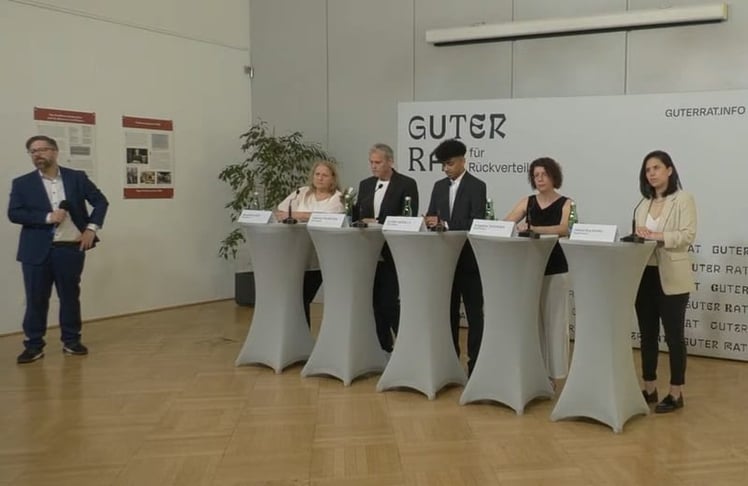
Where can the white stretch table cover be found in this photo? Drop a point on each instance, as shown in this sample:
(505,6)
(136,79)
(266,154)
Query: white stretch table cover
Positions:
(424,356)
(602,382)
(347,344)
(510,366)
(279,335)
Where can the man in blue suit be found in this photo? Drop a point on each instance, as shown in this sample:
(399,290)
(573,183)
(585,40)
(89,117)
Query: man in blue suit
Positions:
(50,205)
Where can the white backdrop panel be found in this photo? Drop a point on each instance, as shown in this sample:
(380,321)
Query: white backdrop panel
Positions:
(600,143)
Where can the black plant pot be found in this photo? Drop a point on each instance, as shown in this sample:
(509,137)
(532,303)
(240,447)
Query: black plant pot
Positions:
(244,288)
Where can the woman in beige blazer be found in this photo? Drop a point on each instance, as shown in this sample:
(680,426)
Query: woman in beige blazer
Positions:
(667,215)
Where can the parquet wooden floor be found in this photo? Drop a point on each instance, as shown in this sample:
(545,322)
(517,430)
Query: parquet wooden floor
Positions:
(159,402)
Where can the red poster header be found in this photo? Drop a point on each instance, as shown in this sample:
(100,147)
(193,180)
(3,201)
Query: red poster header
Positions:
(148,193)
(66,116)
(147,123)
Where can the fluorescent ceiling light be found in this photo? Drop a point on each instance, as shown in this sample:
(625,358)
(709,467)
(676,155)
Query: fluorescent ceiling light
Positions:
(631,19)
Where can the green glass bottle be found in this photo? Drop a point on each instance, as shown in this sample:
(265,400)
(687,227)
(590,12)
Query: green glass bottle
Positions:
(490,214)
(254,201)
(407,209)
(573,217)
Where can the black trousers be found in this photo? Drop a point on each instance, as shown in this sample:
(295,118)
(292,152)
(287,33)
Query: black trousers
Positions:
(468,287)
(652,305)
(312,282)
(386,301)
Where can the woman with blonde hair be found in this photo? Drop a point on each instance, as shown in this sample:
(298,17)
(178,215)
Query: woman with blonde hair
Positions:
(321,195)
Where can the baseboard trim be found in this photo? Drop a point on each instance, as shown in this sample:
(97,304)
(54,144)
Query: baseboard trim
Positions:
(129,314)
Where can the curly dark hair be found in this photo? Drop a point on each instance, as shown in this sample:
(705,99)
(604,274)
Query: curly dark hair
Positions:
(552,168)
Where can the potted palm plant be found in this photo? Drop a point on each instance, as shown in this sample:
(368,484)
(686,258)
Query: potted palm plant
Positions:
(274,167)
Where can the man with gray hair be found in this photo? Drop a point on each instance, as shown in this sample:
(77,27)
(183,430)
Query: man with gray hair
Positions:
(381,195)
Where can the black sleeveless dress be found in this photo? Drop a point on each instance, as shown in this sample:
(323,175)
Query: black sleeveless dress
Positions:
(549,216)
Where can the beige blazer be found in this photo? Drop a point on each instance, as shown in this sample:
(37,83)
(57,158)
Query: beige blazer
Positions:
(678,224)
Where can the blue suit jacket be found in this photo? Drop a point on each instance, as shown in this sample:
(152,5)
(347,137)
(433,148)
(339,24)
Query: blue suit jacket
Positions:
(29,206)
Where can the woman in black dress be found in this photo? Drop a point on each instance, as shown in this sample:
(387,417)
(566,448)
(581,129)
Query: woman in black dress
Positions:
(547,212)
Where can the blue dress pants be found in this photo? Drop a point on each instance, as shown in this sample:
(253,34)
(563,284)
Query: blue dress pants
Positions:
(62,267)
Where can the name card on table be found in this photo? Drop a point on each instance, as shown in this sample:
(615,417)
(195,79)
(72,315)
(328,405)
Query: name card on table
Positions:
(254,216)
(487,227)
(404,223)
(326,220)
(607,233)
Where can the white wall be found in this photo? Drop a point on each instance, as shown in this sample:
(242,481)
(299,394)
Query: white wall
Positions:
(377,56)
(291,69)
(174,59)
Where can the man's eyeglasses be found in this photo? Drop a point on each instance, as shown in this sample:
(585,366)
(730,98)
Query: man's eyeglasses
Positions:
(40,150)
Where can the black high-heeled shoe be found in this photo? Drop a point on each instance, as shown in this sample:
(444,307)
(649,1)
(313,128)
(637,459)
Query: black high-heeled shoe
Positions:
(650,397)
(669,404)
